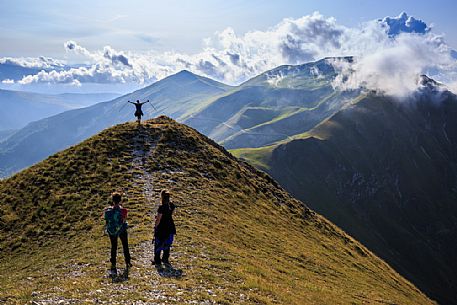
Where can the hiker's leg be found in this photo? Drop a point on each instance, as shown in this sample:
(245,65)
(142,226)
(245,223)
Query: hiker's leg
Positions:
(166,249)
(125,245)
(157,249)
(113,239)
(166,256)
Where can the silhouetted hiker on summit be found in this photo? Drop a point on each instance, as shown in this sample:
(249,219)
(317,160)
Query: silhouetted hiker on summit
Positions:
(138,112)
(164,230)
(116,226)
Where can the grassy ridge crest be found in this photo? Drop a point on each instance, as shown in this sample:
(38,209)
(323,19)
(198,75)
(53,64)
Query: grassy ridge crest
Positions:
(241,238)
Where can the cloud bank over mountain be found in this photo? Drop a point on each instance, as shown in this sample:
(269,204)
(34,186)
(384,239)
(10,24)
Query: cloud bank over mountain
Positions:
(394,68)
(30,62)
(392,47)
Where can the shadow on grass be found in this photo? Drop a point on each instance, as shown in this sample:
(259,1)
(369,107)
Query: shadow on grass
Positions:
(169,271)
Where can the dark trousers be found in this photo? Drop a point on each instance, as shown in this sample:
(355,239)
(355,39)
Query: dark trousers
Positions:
(125,245)
(162,244)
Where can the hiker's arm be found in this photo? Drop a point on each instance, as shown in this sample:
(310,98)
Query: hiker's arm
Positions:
(104,213)
(130,102)
(158,218)
(124,214)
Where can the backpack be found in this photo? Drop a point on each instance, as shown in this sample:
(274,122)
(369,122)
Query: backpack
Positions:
(114,221)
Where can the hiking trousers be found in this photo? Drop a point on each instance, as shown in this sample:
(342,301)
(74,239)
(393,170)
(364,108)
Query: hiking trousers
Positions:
(162,244)
(125,245)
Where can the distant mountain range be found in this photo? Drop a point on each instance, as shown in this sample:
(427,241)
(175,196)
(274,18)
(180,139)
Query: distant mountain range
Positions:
(177,96)
(273,106)
(386,172)
(18,108)
(270,107)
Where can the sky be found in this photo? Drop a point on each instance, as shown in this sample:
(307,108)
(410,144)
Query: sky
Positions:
(133,43)
(35,28)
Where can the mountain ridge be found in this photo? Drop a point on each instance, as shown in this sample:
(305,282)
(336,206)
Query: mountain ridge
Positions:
(52,213)
(171,96)
(383,170)
(273,105)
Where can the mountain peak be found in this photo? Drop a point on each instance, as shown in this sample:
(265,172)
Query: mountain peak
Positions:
(424,80)
(184,74)
(187,77)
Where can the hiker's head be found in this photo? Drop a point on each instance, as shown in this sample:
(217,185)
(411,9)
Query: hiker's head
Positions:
(116,197)
(165,196)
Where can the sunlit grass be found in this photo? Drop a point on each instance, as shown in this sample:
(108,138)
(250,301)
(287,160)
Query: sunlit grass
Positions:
(241,239)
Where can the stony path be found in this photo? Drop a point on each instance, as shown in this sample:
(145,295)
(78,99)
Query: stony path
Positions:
(151,288)
(142,150)
(148,284)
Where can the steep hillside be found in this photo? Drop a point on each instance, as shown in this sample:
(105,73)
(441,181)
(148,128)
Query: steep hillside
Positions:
(386,172)
(175,96)
(20,108)
(5,134)
(79,100)
(273,106)
(241,238)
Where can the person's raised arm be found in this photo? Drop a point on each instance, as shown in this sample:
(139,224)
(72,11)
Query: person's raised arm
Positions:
(130,102)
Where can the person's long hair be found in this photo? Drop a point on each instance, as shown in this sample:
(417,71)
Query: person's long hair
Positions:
(116,197)
(165,198)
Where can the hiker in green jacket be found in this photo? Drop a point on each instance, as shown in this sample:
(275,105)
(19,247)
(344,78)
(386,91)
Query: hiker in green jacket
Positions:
(116,226)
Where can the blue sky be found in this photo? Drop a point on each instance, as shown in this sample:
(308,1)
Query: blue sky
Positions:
(81,46)
(35,28)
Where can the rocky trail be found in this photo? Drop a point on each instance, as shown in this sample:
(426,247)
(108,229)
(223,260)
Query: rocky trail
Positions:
(152,285)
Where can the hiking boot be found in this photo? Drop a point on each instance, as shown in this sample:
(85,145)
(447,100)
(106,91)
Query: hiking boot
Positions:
(113,270)
(157,263)
(167,265)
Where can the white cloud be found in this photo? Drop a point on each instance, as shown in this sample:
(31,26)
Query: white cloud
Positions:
(8,81)
(117,58)
(453,87)
(404,24)
(389,53)
(394,67)
(30,62)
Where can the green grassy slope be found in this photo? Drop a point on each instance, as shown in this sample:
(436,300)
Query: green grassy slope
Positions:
(384,171)
(273,106)
(241,238)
